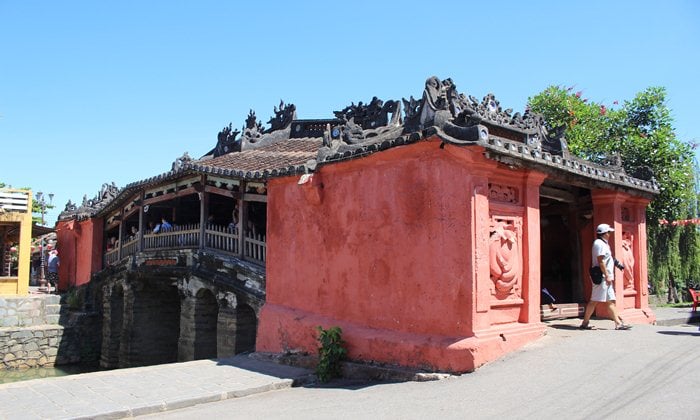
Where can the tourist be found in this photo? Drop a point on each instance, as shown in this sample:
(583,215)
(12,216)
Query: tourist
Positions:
(604,292)
(163,226)
(548,299)
(53,263)
(234,223)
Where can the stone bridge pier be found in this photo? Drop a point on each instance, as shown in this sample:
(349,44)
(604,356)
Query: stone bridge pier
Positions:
(170,315)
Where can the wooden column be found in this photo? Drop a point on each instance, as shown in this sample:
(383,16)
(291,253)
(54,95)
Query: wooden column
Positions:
(242,220)
(203,210)
(120,235)
(141,222)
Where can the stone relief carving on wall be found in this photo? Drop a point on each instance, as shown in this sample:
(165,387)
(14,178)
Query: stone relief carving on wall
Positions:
(504,255)
(504,193)
(627,214)
(627,258)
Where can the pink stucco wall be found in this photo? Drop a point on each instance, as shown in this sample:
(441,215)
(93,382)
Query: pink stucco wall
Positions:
(80,251)
(394,249)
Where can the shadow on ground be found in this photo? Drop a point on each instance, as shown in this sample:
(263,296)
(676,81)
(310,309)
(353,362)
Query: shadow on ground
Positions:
(697,334)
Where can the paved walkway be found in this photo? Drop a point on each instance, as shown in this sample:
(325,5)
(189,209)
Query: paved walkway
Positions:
(153,389)
(144,390)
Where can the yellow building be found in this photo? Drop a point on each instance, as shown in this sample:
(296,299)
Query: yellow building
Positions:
(15,241)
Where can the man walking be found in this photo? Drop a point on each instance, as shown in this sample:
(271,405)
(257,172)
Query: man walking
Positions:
(604,292)
(53,264)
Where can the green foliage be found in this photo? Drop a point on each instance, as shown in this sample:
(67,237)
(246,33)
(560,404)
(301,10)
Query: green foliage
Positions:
(331,353)
(641,133)
(74,299)
(586,123)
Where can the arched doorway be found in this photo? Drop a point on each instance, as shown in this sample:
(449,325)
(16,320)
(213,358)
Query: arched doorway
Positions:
(156,324)
(246,328)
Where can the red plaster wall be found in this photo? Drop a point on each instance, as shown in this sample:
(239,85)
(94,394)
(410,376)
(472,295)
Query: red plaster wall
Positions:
(384,247)
(80,251)
(388,246)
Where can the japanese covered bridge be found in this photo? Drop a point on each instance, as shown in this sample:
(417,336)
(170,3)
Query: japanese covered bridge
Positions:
(424,228)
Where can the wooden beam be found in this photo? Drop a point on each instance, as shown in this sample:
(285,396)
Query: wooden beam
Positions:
(171,196)
(255,197)
(557,194)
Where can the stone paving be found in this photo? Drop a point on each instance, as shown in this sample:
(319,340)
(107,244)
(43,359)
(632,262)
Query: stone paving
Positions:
(144,390)
(153,389)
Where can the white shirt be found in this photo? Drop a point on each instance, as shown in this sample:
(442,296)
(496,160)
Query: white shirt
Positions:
(600,247)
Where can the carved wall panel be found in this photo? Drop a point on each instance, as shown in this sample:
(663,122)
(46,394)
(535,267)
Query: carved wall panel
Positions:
(504,194)
(505,257)
(627,258)
(627,214)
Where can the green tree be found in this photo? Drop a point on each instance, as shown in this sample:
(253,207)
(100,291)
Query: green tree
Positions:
(641,134)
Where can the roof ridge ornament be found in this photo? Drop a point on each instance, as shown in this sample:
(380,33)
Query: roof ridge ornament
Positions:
(253,130)
(372,115)
(226,141)
(180,162)
(88,208)
(284,115)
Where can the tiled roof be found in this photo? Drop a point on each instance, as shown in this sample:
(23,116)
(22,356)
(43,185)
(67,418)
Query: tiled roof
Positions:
(285,157)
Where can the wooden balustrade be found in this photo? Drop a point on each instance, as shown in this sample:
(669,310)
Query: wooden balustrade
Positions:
(185,236)
(221,238)
(112,256)
(130,247)
(255,247)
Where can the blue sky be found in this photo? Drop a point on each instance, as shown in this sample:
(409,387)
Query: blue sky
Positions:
(95,92)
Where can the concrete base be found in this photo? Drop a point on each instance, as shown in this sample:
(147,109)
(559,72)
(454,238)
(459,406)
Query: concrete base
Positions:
(286,330)
(638,316)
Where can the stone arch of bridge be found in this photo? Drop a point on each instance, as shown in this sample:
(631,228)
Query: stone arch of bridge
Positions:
(154,316)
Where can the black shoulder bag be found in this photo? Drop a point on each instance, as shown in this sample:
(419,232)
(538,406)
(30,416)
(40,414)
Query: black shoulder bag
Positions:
(596,274)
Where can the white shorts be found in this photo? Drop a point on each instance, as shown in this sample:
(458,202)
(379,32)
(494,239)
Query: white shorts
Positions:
(602,292)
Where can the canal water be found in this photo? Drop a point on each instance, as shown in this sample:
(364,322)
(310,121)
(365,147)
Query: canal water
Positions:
(16,375)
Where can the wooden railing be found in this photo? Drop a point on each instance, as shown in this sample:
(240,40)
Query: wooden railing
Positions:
(130,246)
(220,238)
(255,247)
(185,236)
(111,256)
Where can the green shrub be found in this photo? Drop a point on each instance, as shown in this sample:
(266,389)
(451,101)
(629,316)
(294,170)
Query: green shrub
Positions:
(74,299)
(331,353)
